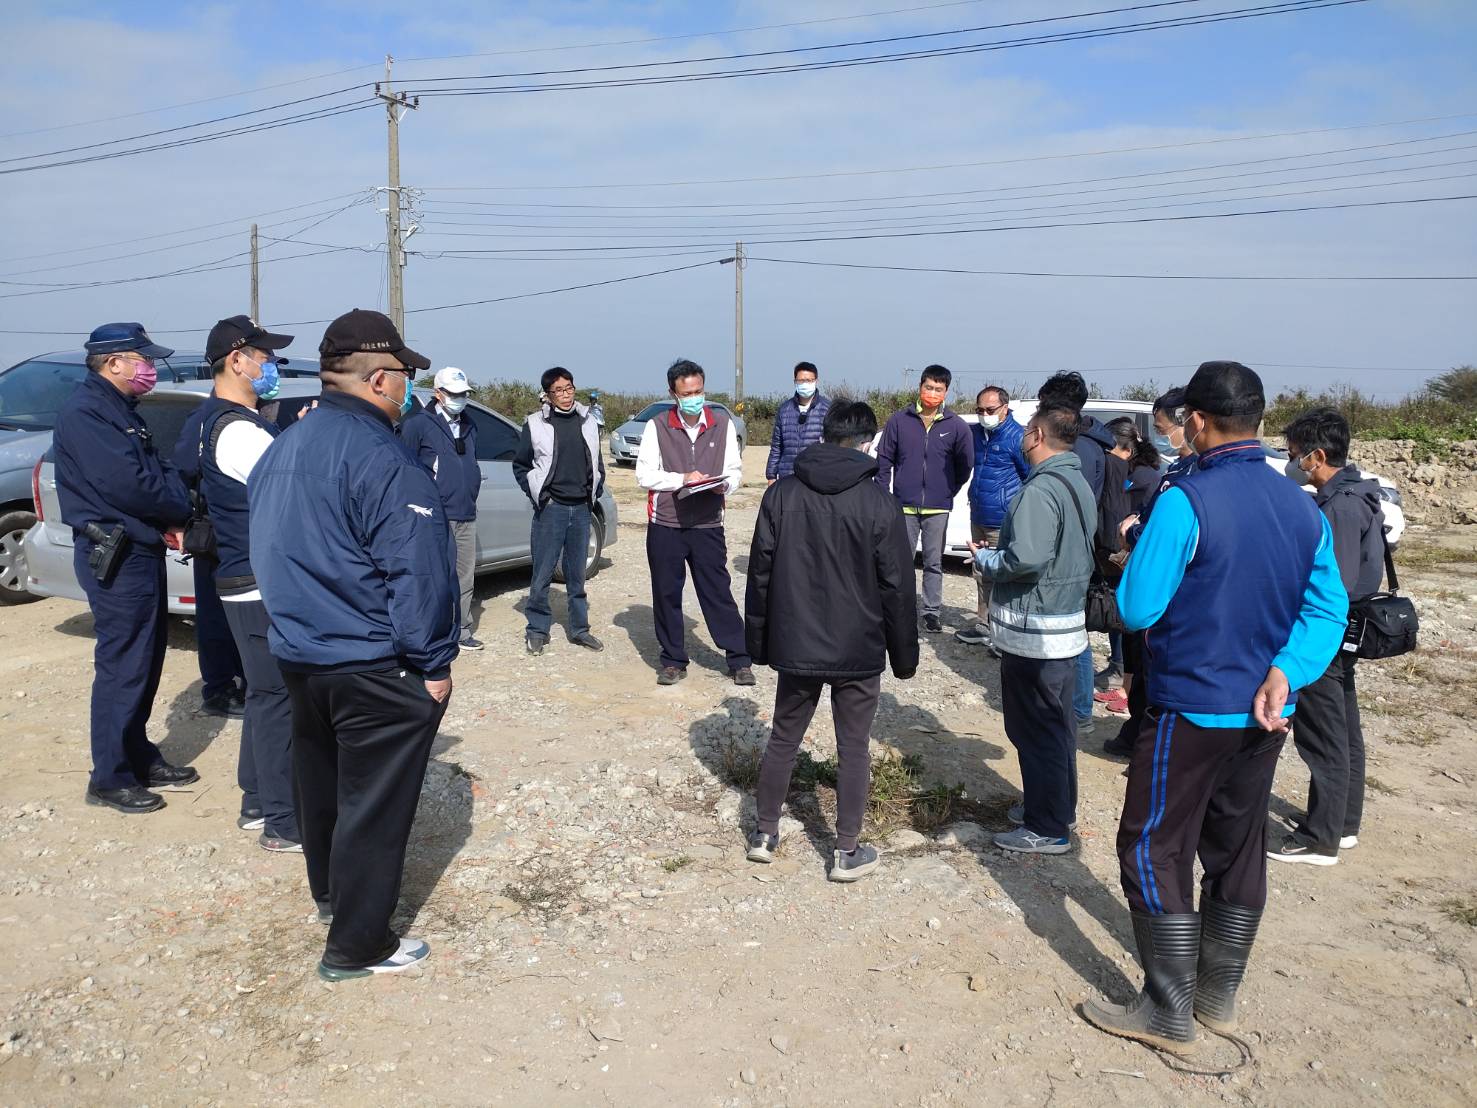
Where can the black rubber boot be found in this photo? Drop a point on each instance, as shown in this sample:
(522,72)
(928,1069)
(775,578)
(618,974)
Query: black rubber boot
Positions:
(1227,932)
(1163,1014)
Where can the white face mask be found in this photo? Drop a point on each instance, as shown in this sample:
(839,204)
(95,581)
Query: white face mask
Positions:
(454,404)
(804,389)
(989,422)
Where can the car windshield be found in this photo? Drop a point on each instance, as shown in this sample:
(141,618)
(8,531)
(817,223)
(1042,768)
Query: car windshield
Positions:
(33,392)
(652,410)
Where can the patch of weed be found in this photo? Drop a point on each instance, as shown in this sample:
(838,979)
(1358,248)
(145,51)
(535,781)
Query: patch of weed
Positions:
(672,865)
(1460,910)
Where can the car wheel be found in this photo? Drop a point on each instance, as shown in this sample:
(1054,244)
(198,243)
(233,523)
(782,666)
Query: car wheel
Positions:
(592,550)
(13,528)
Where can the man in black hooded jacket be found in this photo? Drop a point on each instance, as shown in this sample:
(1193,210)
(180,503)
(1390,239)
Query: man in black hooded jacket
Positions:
(1326,729)
(830,600)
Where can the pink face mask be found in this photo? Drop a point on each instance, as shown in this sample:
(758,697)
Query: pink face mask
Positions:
(144,378)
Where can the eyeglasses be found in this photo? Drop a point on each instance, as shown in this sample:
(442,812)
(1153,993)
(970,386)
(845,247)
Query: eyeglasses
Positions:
(988,411)
(562,390)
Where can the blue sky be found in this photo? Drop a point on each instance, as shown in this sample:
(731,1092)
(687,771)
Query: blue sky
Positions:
(1040,113)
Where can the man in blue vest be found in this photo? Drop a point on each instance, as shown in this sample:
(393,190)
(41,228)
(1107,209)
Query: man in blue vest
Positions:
(797,424)
(121,499)
(444,439)
(1234,578)
(350,548)
(231,440)
(999,469)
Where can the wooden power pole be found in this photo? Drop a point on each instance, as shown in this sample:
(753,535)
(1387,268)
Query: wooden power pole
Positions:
(738,326)
(256,300)
(396,105)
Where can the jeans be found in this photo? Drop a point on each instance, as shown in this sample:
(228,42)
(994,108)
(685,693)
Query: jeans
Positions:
(934,529)
(1082,697)
(560,533)
(1034,697)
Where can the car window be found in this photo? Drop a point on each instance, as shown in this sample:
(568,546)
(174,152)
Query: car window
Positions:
(651,410)
(165,413)
(33,392)
(497,440)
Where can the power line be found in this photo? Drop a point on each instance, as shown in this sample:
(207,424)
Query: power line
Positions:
(1108,276)
(706,207)
(1232,15)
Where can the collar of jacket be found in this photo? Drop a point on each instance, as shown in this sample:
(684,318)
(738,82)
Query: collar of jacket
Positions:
(1067,459)
(98,384)
(1244,450)
(546,410)
(1348,475)
(917,410)
(704,421)
(350,403)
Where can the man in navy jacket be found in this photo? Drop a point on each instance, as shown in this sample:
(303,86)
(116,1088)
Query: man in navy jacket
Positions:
(797,424)
(109,478)
(444,439)
(925,456)
(999,469)
(350,549)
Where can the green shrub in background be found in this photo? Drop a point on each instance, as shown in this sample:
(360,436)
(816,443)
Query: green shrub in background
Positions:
(1444,411)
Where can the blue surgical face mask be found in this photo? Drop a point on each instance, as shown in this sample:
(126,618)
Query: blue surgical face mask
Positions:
(805,389)
(269,384)
(691,405)
(408,400)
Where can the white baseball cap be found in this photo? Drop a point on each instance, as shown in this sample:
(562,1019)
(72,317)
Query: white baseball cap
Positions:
(453,380)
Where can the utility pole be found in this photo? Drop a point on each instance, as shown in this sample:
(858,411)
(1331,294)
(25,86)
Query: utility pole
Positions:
(256,302)
(396,105)
(738,326)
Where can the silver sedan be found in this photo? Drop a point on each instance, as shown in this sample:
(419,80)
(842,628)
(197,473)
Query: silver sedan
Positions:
(504,514)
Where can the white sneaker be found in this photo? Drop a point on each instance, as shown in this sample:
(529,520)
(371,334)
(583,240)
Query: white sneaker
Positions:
(1348,842)
(411,952)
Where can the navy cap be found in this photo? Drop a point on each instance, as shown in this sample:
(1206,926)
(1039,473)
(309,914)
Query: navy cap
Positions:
(125,338)
(237,331)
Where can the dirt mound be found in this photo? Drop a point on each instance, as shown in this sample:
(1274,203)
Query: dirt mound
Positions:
(1437,488)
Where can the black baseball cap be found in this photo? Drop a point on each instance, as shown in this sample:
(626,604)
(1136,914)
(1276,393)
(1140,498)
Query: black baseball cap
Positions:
(237,331)
(1226,389)
(364,332)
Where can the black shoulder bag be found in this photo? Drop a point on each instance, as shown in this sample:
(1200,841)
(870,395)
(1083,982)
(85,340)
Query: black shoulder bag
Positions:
(1385,624)
(1102,601)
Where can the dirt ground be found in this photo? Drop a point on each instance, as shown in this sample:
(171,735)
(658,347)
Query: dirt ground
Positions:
(598,938)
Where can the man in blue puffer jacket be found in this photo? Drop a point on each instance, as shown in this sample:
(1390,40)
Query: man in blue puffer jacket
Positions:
(797,424)
(999,469)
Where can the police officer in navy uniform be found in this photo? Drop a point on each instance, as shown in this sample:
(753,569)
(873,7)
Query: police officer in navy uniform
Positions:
(231,439)
(121,498)
(351,551)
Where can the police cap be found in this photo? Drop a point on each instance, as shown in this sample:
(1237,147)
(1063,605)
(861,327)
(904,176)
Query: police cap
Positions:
(125,338)
(238,331)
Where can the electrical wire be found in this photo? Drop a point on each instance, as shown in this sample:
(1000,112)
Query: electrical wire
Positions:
(1112,276)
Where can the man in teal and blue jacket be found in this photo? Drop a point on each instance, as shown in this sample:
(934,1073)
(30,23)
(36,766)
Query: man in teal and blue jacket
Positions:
(1235,581)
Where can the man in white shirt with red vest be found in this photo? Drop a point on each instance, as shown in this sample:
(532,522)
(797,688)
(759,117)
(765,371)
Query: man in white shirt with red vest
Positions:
(688,463)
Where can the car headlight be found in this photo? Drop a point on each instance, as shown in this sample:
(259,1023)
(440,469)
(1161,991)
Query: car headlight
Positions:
(1390,494)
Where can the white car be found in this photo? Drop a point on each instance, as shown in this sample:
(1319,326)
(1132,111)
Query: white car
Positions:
(956,538)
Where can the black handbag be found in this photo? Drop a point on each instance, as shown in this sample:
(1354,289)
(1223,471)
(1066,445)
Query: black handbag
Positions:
(1102,600)
(1385,624)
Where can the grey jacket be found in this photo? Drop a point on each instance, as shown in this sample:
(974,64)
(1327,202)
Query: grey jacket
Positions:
(1042,565)
(1352,504)
(534,456)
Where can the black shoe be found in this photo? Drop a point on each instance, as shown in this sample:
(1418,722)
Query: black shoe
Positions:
(470,643)
(162,775)
(670,675)
(744,677)
(227,705)
(534,643)
(588,641)
(1227,933)
(1163,1014)
(131,799)
(251,820)
(1118,747)
(932,625)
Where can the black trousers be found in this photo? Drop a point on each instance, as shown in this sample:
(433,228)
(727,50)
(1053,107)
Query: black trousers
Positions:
(264,768)
(360,745)
(1036,701)
(215,644)
(854,706)
(670,553)
(129,616)
(1196,790)
(1135,659)
(1327,734)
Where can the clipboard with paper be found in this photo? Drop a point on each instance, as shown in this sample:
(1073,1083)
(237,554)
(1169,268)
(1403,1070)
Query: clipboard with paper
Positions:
(707,484)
